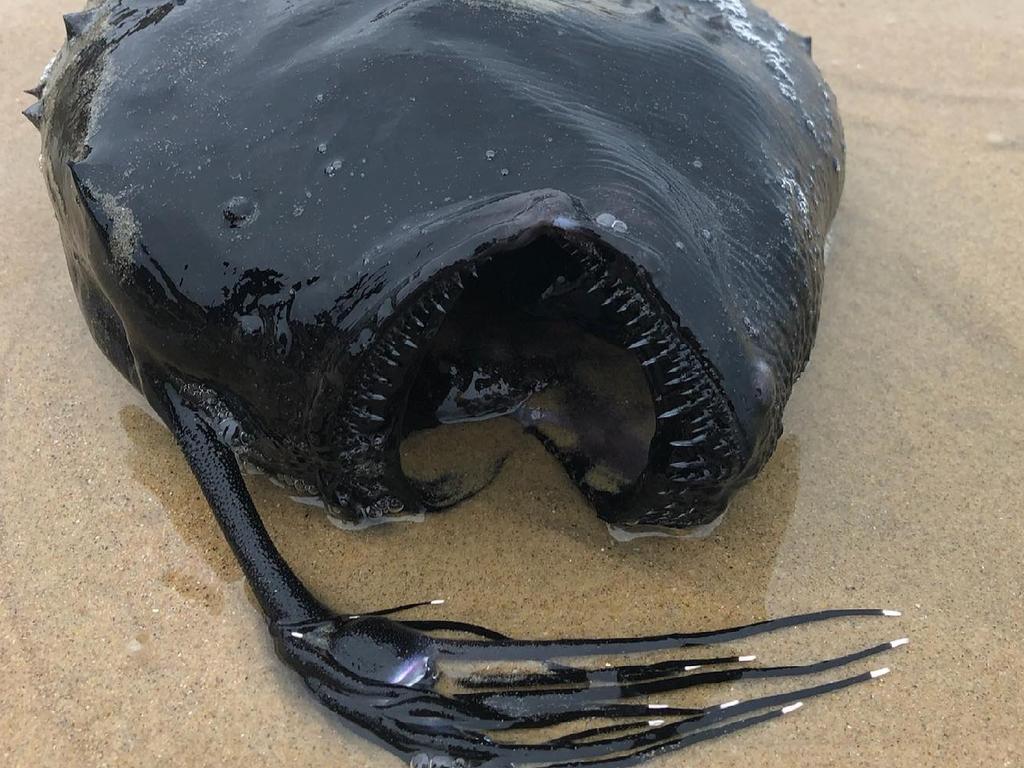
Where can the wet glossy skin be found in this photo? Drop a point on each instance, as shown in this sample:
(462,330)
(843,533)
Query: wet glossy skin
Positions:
(269,209)
(292,181)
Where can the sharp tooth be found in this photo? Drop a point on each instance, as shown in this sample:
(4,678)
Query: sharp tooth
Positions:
(703,399)
(615,296)
(691,478)
(368,415)
(689,377)
(630,302)
(687,464)
(701,419)
(689,443)
(670,413)
(653,360)
(638,344)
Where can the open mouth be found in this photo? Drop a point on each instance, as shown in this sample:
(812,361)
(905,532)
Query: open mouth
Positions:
(565,336)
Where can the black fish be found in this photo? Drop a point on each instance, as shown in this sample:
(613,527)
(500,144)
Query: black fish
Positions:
(304,230)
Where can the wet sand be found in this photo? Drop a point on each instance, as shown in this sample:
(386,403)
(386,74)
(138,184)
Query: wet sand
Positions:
(126,633)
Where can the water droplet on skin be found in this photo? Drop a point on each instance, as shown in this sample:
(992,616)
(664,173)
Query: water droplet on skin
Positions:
(619,226)
(489,154)
(752,329)
(240,211)
(319,98)
(333,167)
(679,245)
(283,333)
(298,210)
(250,325)
(698,164)
(764,384)
(504,171)
(605,220)
(322,149)
(706,234)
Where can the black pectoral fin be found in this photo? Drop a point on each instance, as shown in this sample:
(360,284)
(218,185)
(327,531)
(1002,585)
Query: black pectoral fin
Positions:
(384,676)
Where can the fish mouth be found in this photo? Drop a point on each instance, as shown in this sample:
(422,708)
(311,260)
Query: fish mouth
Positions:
(561,332)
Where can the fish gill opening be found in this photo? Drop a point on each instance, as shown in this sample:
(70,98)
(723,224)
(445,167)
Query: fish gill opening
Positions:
(528,340)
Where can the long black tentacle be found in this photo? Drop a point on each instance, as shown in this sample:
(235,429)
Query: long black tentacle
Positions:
(542,650)
(564,675)
(280,593)
(544,698)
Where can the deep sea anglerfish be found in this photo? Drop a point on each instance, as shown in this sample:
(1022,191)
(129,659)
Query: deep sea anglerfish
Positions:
(304,230)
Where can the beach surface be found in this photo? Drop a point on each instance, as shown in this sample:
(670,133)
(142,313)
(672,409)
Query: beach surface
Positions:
(128,637)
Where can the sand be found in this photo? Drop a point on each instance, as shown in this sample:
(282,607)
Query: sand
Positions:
(126,633)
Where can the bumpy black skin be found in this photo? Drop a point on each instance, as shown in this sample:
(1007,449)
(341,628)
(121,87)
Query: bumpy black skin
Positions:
(264,294)
(724,163)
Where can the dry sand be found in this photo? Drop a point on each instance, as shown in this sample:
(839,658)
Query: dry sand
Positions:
(127,636)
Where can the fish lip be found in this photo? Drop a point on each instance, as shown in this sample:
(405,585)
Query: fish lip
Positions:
(696,457)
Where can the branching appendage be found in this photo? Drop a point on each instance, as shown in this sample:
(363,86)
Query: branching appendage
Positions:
(430,692)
